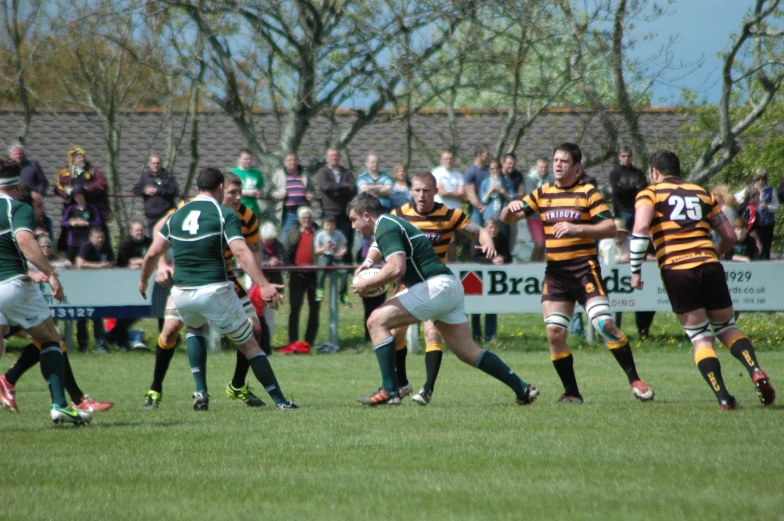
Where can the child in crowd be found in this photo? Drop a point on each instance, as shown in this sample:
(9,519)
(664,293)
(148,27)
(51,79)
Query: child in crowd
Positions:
(745,249)
(329,245)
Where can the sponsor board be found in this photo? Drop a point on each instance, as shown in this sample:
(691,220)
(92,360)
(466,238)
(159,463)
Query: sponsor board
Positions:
(100,294)
(517,288)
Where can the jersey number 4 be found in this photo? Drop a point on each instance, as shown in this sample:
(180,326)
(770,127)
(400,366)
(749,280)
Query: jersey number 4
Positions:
(191,223)
(690,204)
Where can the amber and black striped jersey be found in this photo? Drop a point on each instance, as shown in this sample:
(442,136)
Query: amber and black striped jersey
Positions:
(250,232)
(681,225)
(580,203)
(438,226)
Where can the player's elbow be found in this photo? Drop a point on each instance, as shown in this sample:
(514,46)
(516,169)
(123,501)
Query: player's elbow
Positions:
(397,269)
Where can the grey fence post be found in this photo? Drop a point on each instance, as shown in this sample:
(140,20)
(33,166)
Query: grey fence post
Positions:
(412,338)
(333,306)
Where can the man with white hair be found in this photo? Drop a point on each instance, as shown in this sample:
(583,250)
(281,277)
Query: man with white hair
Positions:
(33,175)
(299,247)
(273,254)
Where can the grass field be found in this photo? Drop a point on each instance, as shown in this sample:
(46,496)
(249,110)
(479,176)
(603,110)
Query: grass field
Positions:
(472,454)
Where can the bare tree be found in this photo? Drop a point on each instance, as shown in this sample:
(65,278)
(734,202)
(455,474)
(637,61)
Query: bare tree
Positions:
(108,73)
(758,80)
(314,57)
(19,18)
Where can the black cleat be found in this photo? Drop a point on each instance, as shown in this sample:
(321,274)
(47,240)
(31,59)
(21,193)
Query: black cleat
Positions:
(531,394)
(423,397)
(201,401)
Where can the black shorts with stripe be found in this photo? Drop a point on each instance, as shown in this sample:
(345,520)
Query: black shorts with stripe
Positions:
(573,282)
(238,288)
(702,287)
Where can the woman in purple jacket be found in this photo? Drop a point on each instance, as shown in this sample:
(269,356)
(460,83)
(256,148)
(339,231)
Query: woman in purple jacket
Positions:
(78,218)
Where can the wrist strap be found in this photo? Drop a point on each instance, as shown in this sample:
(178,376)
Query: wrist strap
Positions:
(638,247)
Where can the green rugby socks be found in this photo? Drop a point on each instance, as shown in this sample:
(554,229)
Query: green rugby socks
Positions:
(266,376)
(495,367)
(387,362)
(53,371)
(196,346)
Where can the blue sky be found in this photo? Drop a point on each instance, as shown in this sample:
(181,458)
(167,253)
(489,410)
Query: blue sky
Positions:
(702,29)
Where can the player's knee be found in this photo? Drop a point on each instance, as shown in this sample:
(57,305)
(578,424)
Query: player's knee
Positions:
(242,334)
(375,320)
(699,332)
(556,334)
(721,327)
(557,325)
(600,315)
(256,325)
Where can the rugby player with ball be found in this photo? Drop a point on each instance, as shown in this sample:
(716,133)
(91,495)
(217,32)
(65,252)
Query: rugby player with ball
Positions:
(432,293)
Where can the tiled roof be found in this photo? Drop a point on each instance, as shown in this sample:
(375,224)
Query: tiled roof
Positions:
(142,133)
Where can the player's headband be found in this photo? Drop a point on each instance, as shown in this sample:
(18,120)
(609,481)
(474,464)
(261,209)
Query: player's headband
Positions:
(9,181)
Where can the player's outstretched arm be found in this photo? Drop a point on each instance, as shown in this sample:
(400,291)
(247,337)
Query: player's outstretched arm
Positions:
(26,241)
(486,243)
(247,260)
(513,212)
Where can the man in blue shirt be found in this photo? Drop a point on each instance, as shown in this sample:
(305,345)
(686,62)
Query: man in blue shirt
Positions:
(474,177)
(374,182)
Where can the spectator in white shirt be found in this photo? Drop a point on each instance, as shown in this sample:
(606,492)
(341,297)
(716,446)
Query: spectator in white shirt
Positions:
(450,193)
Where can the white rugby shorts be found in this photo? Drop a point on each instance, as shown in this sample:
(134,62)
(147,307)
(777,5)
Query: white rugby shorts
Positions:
(439,299)
(22,303)
(217,303)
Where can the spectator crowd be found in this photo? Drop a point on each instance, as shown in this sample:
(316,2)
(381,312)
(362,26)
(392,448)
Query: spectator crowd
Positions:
(304,221)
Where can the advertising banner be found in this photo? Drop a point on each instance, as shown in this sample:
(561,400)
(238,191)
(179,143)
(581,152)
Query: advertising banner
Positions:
(513,288)
(100,294)
(517,288)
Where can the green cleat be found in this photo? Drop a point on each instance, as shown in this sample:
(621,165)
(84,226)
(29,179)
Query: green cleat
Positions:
(319,295)
(70,415)
(244,394)
(153,400)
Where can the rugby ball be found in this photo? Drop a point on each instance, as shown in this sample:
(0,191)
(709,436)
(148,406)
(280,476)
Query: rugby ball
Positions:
(366,274)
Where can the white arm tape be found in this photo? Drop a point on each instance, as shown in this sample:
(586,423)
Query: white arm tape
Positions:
(638,247)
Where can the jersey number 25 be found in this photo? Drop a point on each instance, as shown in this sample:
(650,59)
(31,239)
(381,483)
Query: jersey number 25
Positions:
(690,204)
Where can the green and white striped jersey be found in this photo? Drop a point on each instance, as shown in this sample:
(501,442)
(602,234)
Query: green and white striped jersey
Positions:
(199,232)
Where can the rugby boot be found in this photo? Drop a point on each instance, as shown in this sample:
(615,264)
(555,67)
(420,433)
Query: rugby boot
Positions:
(244,394)
(570,398)
(380,397)
(641,391)
(8,394)
(153,399)
(531,394)
(88,404)
(729,405)
(70,415)
(201,401)
(423,397)
(767,394)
